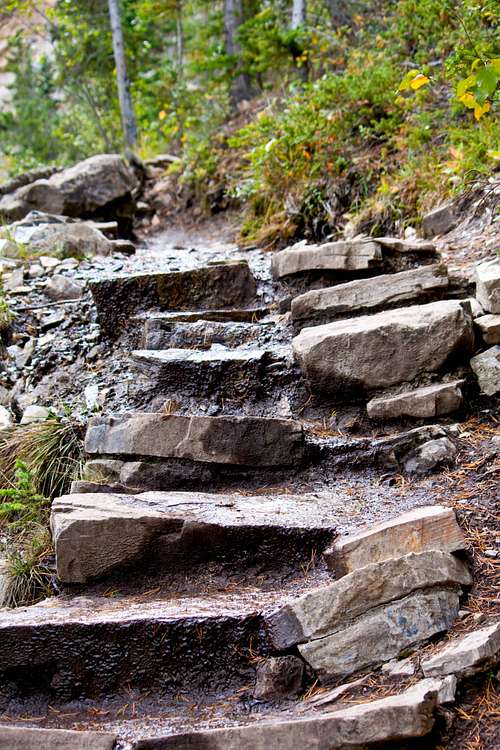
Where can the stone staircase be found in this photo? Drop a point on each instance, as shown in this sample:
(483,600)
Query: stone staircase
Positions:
(211,595)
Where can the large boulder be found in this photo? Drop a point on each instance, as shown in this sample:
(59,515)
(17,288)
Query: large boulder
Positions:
(370,294)
(381,350)
(59,238)
(343,256)
(77,191)
(323,611)
(239,441)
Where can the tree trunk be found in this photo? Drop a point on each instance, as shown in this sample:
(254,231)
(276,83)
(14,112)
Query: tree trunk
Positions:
(233,18)
(180,36)
(298,14)
(124,96)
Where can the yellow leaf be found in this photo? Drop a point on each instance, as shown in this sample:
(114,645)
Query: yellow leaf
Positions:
(468,100)
(479,110)
(419,81)
(162,115)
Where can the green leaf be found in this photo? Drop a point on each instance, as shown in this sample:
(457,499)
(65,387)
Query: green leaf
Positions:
(487,80)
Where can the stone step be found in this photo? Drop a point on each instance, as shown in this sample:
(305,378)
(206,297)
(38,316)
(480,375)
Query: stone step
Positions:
(229,315)
(382,634)
(389,290)
(218,285)
(431,527)
(325,610)
(217,372)
(397,717)
(28,738)
(489,325)
(200,334)
(96,534)
(381,350)
(345,256)
(87,647)
(240,441)
(430,401)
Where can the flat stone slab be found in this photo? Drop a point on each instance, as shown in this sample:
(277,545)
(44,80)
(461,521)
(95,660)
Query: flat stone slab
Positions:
(397,717)
(380,635)
(390,347)
(351,255)
(93,646)
(97,533)
(201,333)
(489,325)
(466,656)
(239,441)
(232,373)
(223,284)
(25,738)
(430,401)
(486,368)
(398,245)
(234,315)
(324,611)
(432,527)
(488,285)
(418,284)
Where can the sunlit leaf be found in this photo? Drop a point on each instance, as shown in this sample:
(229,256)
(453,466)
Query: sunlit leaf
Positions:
(419,81)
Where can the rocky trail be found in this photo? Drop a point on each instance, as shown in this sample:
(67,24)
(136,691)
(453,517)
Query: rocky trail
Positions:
(286,529)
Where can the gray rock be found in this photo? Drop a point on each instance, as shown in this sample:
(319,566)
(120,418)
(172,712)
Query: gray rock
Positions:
(432,527)
(428,456)
(240,441)
(227,373)
(468,655)
(5,418)
(214,286)
(380,635)
(63,240)
(486,368)
(61,288)
(75,191)
(324,611)
(384,349)
(430,401)
(399,668)
(345,256)
(97,533)
(488,285)
(278,677)
(489,325)
(330,696)
(25,738)
(418,284)
(440,220)
(407,245)
(34,413)
(159,334)
(13,280)
(4,582)
(396,718)
(476,309)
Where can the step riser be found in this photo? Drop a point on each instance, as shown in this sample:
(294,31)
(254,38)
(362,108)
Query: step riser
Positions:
(64,662)
(219,285)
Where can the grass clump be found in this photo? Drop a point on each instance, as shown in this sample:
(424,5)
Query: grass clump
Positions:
(51,450)
(24,515)
(37,462)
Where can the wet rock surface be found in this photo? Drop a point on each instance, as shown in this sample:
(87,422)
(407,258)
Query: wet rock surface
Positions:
(160,630)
